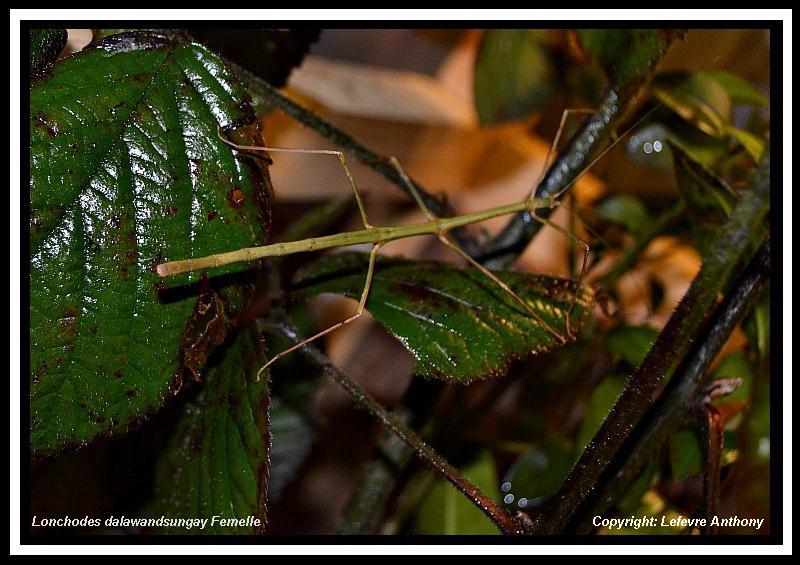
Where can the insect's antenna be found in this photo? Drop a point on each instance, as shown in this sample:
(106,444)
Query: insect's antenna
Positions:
(605,151)
(625,134)
(553,146)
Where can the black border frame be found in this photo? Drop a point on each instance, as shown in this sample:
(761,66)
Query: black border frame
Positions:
(775,537)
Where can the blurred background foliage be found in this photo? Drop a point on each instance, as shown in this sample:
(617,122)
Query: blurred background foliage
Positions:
(471,114)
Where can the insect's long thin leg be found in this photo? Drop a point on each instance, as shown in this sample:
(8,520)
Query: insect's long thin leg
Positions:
(556,140)
(584,263)
(455,247)
(412,189)
(491,276)
(359,311)
(339,155)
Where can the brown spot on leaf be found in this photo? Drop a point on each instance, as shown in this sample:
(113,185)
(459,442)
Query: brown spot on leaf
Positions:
(68,323)
(38,373)
(211,215)
(205,329)
(170,210)
(118,374)
(236,197)
(42,121)
(96,417)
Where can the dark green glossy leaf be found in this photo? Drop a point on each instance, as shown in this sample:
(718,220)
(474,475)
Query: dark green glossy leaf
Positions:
(627,55)
(98,34)
(457,323)
(599,405)
(292,435)
(45,46)
(514,74)
(632,343)
(292,414)
(536,475)
(446,511)
(216,460)
(127,171)
(626,210)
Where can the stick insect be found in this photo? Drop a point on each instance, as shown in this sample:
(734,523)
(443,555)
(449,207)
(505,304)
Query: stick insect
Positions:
(379,236)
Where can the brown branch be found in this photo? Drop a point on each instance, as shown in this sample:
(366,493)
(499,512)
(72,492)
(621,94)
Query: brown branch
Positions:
(731,248)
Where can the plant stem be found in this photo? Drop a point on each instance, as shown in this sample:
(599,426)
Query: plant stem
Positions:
(712,465)
(504,521)
(730,249)
(685,386)
(560,177)
(577,159)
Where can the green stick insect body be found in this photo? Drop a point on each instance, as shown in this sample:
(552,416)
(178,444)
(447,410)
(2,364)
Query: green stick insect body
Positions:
(378,236)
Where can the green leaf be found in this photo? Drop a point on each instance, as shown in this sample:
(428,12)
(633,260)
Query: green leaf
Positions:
(631,500)
(536,474)
(446,511)
(697,98)
(632,343)
(706,99)
(703,190)
(627,55)
(292,414)
(292,436)
(709,199)
(739,90)
(457,323)
(98,34)
(45,46)
(599,405)
(216,460)
(514,75)
(751,143)
(626,210)
(685,454)
(127,171)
